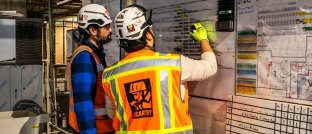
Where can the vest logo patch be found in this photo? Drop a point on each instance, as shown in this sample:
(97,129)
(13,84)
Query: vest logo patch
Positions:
(139,96)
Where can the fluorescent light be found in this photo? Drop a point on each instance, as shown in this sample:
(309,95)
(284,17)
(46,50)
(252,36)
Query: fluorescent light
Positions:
(63,2)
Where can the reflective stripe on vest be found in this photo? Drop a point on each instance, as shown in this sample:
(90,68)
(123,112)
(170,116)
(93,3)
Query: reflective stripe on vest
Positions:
(163,65)
(99,111)
(99,67)
(102,125)
(142,64)
(120,107)
(184,130)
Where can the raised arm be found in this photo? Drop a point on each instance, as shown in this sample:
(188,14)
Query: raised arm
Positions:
(196,70)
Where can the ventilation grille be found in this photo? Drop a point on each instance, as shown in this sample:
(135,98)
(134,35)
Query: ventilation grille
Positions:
(28,41)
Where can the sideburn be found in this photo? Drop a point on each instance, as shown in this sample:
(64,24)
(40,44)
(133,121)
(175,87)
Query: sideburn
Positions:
(154,38)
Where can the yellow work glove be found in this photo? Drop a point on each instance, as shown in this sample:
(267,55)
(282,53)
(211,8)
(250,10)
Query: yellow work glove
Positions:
(198,32)
(211,32)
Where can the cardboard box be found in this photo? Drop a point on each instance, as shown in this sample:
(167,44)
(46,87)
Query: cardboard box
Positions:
(5,88)
(32,83)
(21,122)
(18,82)
(16,85)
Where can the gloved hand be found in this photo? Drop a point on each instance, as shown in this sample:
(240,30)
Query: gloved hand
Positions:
(211,32)
(198,32)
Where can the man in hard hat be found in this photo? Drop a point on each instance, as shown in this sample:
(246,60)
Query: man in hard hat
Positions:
(162,75)
(87,113)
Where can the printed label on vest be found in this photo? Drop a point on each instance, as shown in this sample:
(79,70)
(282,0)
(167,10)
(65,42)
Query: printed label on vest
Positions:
(139,96)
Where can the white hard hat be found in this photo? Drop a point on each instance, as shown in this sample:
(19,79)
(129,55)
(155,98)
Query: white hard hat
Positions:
(132,21)
(93,14)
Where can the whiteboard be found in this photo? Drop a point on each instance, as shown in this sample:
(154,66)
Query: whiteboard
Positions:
(171,25)
(253,116)
(274,43)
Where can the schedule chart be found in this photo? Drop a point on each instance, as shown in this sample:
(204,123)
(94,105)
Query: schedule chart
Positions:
(247,115)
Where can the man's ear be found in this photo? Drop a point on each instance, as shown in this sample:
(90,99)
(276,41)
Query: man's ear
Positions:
(92,30)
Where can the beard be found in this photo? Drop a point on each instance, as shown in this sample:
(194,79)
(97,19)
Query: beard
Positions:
(105,41)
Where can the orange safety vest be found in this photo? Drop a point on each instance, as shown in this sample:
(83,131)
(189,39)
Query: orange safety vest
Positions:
(102,121)
(144,88)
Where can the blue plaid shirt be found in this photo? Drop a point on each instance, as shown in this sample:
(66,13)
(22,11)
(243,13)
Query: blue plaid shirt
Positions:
(84,75)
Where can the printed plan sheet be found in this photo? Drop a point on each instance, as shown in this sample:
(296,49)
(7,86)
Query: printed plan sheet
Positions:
(274,48)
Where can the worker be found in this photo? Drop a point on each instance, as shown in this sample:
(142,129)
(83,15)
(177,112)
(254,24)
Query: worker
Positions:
(147,89)
(87,113)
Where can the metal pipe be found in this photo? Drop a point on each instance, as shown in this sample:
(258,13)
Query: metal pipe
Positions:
(52,62)
(64,36)
(54,97)
(47,74)
(59,129)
